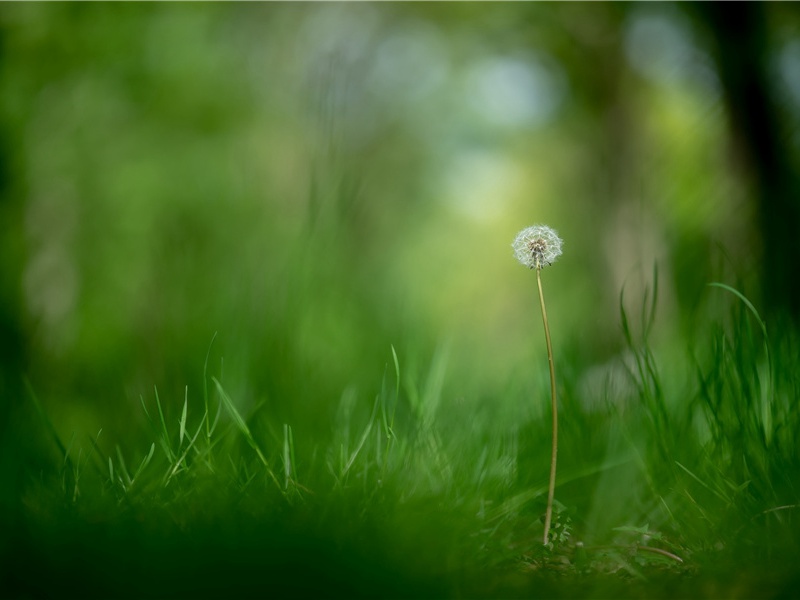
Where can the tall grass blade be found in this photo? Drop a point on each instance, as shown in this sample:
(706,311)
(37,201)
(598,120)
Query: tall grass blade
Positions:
(164,431)
(122,468)
(245,430)
(45,418)
(388,423)
(183,416)
(69,448)
(649,316)
(746,302)
(396,371)
(717,493)
(216,420)
(288,455)
(205,384)
(765,396)
(145,462)
(182,458)
(362,441)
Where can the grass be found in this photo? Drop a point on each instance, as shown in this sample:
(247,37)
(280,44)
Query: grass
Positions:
(683,481)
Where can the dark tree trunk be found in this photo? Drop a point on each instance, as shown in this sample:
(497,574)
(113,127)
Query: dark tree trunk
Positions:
(12,341)
(739,33)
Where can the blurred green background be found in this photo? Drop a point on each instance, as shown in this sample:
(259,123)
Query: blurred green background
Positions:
(316,183)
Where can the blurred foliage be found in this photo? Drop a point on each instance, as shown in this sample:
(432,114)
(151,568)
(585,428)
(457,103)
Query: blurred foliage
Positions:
(283,195)
(316,182)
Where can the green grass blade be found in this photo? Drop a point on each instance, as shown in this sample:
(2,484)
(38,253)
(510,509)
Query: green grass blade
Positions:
(237,418)
(746,302)
(122,468)
(396,373)
(205,383)
(181,459)
(43,415)
(144,407)
(388,422)
(94,454)
(165,432)
(245,430)
(649,316)
(183,416)
(69,448)
(362,441)
(287,458)
(216,420)
(718,494)
(145,462)
(626,331)
(767,397)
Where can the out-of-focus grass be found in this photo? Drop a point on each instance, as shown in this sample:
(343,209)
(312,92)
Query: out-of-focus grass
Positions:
(672,484)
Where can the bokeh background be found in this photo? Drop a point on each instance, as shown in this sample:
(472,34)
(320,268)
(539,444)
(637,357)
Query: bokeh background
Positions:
(310,185)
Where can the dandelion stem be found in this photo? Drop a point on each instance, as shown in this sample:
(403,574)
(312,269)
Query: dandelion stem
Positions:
(552,488)
(536,247)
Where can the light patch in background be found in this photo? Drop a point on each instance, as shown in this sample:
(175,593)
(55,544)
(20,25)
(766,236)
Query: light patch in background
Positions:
(410,64)
(788,66)
(333,49)
(660,47)
(514,91)
(50,277)
(344,33)
(479,183)
(786,69)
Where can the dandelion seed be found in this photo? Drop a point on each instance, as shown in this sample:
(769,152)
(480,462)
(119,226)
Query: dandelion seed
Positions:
(537,246)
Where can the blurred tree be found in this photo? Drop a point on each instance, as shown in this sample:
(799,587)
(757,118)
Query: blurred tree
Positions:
(12,346)
(740,37)
(301,179)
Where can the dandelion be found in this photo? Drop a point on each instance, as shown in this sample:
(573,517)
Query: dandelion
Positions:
(536,247)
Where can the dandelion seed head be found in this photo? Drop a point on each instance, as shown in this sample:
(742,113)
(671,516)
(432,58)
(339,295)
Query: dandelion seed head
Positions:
(537,246)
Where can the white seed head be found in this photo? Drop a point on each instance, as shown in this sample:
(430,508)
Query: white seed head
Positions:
(537,246)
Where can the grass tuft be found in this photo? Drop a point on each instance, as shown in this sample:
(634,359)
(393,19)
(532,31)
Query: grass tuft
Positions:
(690,470)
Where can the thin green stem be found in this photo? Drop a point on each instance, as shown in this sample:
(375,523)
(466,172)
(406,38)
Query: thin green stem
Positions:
(552,489)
